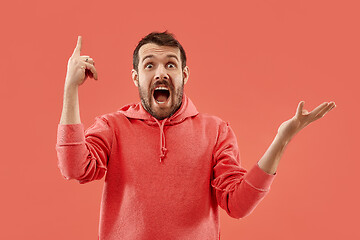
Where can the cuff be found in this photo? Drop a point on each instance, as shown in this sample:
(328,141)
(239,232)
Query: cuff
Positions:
(259,179)
(70,133)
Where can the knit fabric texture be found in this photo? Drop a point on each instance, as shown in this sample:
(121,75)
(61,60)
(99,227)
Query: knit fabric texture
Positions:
(164,179)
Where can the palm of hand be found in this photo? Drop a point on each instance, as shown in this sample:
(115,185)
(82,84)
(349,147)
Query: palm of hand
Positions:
(302,118)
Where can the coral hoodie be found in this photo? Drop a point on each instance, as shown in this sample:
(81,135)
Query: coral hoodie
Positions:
(164,179)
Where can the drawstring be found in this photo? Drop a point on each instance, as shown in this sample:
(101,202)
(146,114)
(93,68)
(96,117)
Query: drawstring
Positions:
(163,149)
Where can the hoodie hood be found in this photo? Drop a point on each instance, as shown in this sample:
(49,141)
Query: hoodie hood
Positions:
(137,111)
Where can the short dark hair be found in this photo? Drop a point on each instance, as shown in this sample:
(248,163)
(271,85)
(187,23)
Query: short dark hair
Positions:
(161,39)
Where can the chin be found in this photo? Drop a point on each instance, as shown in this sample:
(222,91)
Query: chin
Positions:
(161,116)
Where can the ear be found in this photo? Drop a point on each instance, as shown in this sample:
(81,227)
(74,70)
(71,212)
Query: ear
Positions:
(135,77)
(186,73)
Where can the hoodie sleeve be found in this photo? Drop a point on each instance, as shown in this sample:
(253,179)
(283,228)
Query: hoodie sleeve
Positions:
(83,155)
(238,192)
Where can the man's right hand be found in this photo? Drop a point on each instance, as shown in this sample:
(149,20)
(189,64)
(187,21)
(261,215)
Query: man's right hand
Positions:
(79,67)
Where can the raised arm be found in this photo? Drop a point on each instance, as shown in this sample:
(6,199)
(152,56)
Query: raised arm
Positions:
(82,155)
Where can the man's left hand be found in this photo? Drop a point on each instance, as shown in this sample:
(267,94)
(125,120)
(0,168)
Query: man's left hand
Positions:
(302,118)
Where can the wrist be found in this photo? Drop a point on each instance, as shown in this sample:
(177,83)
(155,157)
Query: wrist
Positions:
(70,88)
(282,140)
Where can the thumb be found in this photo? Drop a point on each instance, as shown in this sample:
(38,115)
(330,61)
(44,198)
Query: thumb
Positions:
(300,108)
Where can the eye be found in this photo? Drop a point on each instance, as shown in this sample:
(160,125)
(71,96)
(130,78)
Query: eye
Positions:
(171,65)
(148,65)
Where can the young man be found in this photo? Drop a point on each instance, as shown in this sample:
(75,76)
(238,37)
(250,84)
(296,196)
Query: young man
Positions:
(168,167)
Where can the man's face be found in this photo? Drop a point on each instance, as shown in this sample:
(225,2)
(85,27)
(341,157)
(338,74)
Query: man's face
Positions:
(160,66)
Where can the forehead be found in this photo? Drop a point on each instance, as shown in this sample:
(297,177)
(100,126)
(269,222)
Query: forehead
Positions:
(157,51)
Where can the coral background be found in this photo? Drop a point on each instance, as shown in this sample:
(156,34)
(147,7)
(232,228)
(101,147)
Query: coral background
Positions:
(251,63)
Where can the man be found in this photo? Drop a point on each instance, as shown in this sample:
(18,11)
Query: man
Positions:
(168,167)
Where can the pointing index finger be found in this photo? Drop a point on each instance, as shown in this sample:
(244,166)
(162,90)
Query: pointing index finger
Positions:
(78,47)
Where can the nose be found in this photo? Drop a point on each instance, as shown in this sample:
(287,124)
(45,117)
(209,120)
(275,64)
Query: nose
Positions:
(161,73)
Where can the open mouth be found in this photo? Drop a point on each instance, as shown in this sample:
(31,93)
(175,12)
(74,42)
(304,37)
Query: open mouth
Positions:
(161,94)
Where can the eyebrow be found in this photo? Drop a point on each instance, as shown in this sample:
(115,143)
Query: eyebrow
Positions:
(169,56)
